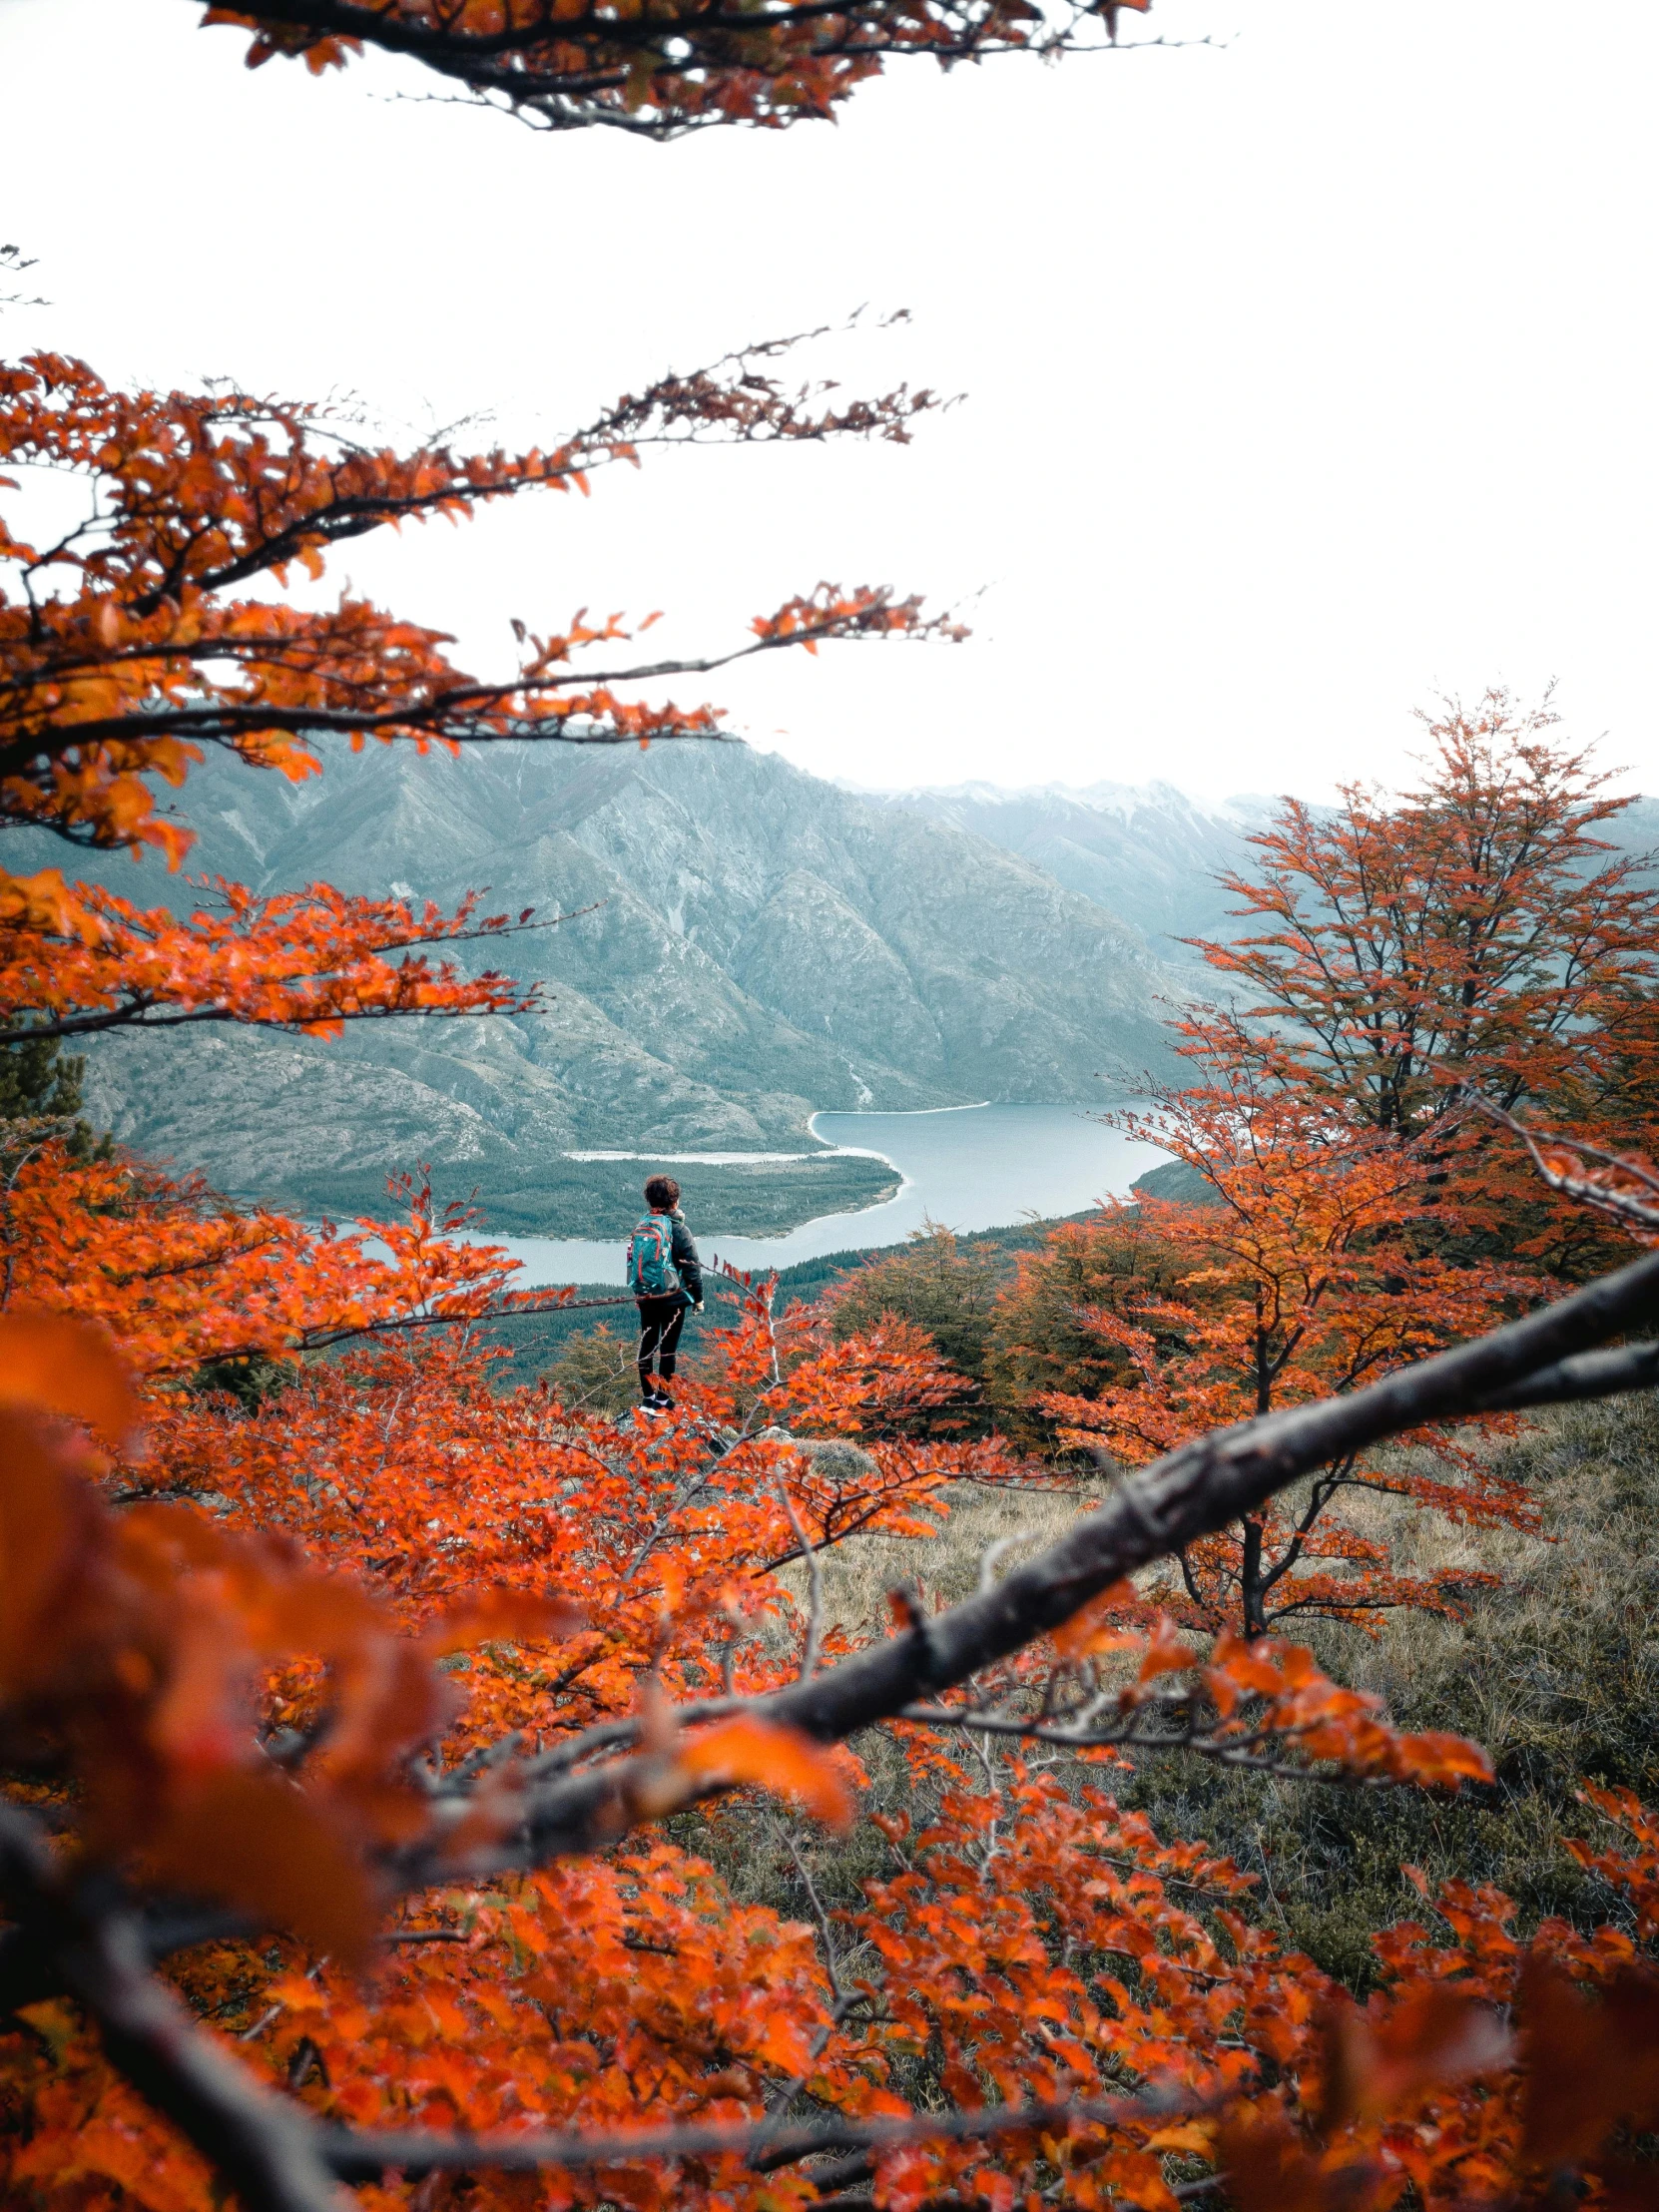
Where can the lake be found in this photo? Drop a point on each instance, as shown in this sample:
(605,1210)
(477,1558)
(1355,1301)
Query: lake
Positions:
(967,1167)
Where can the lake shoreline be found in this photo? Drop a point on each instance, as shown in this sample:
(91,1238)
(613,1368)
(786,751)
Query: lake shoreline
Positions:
(968,1168)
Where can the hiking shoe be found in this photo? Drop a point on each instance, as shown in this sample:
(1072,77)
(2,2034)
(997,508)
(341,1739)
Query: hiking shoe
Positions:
(653,1406)
(662,1402)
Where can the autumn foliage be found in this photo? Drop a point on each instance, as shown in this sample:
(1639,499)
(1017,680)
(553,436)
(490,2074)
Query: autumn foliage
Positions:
(128,646)
(616,1990)
(1412,973)
(355,1704)
(1310,1273)
(389,1757)
(1477,934)
(672,69)
(1033,1945)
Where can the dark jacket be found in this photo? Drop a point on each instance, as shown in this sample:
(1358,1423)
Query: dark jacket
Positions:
(686,1258)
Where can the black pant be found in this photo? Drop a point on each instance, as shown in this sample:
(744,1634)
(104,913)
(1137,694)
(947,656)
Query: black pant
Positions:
(661,1321)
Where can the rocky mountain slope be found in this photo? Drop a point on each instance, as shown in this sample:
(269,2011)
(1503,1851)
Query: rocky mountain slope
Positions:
(759,944)
(1145,851)
(1151,851)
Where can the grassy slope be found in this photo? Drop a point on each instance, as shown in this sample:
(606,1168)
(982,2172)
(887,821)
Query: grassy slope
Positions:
(1556,1673)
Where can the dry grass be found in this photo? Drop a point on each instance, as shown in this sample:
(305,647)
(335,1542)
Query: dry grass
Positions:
(1556,1672)
(745,1836)
(858,1573)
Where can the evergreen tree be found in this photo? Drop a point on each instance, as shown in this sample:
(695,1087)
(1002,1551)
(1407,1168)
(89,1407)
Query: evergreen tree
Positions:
(41,1086)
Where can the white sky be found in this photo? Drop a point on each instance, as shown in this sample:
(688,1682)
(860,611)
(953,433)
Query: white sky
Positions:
(1307,376)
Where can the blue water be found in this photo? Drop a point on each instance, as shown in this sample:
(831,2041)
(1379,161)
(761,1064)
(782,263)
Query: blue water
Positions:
(967,1167)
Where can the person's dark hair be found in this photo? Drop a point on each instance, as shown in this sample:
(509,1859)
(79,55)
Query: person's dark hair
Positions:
(662,1192)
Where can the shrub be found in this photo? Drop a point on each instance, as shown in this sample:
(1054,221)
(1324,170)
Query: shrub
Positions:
(594,1371)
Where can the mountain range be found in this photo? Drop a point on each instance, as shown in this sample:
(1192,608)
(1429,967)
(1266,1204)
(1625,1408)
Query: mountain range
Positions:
(748,943)
(1146,851)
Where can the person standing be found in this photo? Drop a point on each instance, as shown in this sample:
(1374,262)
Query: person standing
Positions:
(665,1278)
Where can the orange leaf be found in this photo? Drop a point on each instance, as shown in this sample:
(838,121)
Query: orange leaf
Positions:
(1245,1667)
(59,1366)
(777,1759)
(1166,1653)
(1088,1631)
(1589,2064)
(257,1842)
(1194,2137)
(50,1533)
(1269,2170)
(1436,1756)
(504,1616)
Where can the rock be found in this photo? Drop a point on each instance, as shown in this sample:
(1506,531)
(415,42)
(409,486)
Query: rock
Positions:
(831,1458)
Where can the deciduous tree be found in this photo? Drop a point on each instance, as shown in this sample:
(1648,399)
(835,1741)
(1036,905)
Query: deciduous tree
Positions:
(127,647)
(1304,1278)
(938,1283)
(1474,933)
(676,68)
(1043,1338)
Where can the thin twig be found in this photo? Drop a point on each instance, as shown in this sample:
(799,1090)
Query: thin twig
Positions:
(815,1585)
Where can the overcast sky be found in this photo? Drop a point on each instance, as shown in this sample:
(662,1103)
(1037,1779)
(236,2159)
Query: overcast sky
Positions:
(1308,374)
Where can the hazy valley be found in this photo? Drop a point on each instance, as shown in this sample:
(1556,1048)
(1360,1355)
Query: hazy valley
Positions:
(749,944)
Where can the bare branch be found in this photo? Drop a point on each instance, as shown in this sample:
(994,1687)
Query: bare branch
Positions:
(815,1584)
(320,1339)
(1628,1190)
(1590,1375)
(1251,1753)
(364,2154)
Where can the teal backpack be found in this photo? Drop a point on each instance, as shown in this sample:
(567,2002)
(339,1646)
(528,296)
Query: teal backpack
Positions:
(651,1268)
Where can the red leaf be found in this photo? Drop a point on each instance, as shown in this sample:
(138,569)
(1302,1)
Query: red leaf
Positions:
(1435,2034)
(257,1842)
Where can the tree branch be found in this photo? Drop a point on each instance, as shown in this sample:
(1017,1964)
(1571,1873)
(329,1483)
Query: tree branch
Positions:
(1189,1493)
(265,2147)
(1589,1375)
(364,2154)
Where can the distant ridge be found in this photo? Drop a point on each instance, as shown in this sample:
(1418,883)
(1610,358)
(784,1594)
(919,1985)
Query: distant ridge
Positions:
(1151,853)
(1148,852)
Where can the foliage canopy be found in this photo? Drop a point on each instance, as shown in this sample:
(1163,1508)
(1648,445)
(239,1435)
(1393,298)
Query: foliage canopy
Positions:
(366,1730)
